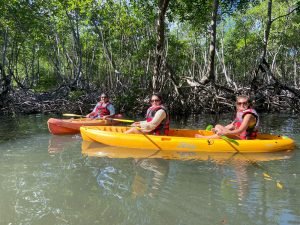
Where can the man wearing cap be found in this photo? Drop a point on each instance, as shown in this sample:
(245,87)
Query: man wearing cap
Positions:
(103,109)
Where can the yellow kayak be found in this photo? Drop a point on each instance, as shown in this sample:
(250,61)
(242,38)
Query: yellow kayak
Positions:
(94,149)
(184,140)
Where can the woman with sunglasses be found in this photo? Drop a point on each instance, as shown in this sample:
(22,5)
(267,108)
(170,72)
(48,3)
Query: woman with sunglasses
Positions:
(157,119)
(244,126)
(103,109)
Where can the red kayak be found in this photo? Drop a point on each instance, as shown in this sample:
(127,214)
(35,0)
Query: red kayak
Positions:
(72,126)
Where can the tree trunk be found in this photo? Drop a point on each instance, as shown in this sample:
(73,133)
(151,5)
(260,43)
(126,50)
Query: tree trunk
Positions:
(267,30)
(4,49)
(108,53)
(77,62)
(160,38)
(210,77)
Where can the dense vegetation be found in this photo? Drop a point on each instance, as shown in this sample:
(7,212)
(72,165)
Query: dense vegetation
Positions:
(59,55)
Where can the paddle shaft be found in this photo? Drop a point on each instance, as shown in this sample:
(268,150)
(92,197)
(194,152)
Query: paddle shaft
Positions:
(253,163)
(73,115)
(146,136)
(120,120)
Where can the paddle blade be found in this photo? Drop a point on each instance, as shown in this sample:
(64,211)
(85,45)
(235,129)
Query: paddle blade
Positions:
(229,140)
(209,127)
(73,115)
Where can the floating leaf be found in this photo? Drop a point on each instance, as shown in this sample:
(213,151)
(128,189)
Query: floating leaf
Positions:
(267,175)
(279,185)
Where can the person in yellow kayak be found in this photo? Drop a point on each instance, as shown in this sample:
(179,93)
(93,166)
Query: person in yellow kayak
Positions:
(157,119)
(245,124)
(103,109)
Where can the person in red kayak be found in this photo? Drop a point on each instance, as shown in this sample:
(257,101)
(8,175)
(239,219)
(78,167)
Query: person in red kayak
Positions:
(245,124)
(103,109)
(157,119)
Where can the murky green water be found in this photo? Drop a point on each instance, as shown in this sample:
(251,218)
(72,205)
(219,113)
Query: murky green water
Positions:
(44,179)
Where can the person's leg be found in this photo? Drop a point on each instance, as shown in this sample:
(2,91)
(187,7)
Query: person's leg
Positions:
(217,128)
(133,130)
(214,136)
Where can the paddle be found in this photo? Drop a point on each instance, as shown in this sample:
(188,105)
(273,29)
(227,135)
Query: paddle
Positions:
(146,136)
(209,128)
(121,120)
(230,140)
(72,115)
(266,175)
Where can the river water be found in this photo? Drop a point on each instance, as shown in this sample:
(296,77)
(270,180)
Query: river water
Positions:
(45,179)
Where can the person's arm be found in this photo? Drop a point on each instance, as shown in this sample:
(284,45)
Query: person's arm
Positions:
(218,129)
(159,116)
(245,124)
(230,126)
(94,112)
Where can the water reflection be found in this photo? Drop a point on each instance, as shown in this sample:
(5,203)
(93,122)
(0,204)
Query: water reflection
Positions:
(13,128)
(99,150)
(57,143)
(150,184)
(150,169)
(44,179)
(240,174)
(113,181)
(235,184)
(145,178)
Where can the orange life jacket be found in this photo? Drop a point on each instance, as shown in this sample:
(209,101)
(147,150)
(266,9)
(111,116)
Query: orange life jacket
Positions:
(252,130)
(102,109)
(164,126)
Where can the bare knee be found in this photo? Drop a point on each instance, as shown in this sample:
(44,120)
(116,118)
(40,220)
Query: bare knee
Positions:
(132,130)
(219,127)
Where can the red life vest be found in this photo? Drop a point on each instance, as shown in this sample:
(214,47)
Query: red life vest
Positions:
(163,127)
(102,109)
(252,130)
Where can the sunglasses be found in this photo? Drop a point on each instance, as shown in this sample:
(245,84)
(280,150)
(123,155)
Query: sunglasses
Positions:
(155,100)
(103,97)
(242,103)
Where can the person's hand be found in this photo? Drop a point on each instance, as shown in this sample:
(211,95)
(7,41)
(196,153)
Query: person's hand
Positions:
(220,132)
(136,124)
(91,115)
(198,136)
(104,117)
(216,131)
